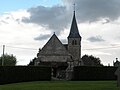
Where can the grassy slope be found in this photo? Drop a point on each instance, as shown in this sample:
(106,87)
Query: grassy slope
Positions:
(62,85)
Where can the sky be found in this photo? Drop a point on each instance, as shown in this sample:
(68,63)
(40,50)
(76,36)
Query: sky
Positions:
(27,26)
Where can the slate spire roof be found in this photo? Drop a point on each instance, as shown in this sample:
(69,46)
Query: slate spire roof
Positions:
(74,32)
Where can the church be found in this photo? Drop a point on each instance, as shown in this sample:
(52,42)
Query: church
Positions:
(62,57)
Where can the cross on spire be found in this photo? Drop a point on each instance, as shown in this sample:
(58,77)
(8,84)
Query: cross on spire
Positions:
(74,32)
(74,7)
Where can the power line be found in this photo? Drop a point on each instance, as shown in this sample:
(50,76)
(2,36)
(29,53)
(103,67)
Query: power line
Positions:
(101,48)
(22,48)
(112,47)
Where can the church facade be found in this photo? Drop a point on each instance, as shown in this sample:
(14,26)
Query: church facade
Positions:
(56,54)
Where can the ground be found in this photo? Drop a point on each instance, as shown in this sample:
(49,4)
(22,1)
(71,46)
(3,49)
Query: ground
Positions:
(62,85)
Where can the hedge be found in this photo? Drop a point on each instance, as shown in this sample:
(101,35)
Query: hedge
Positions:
(13,74)
(94,73)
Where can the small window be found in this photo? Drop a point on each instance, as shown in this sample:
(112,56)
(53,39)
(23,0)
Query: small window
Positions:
(75,42)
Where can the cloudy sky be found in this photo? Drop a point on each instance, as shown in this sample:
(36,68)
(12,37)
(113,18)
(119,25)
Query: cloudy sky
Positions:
(26,25)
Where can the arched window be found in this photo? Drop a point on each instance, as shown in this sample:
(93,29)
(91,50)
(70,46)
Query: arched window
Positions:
(75,42)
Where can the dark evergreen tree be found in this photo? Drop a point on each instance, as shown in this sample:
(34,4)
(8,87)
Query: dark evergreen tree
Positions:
(90,60)
(32,62)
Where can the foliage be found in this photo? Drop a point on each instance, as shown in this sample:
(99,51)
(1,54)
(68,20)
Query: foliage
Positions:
(94,73)
(91,60)
(12,74)
(9,60)
(62,85)
(32,62)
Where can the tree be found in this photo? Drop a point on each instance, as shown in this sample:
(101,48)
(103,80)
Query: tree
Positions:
(9,60)
(32,62)
(91,60)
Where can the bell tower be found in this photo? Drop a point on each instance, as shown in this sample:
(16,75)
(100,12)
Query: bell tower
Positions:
(74,42)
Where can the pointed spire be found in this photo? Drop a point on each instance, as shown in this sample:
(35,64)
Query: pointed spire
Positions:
(74,32)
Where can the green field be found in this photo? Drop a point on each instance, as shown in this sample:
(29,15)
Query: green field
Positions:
(62,85)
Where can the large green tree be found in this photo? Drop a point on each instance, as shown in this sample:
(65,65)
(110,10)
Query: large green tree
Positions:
(8,60)
(90,60)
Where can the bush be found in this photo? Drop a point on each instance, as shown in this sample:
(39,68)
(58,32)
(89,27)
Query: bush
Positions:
(94,73)
(11,74)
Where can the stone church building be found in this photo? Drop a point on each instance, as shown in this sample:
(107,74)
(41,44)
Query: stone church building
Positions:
(62,57)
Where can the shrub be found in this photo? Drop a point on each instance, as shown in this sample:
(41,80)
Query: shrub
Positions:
(94,73)
(11,74)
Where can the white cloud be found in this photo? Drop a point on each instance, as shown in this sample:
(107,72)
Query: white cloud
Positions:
(107,50)
(16,35)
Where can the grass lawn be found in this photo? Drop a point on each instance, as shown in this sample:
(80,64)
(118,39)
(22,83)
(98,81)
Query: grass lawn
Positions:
(62,85)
